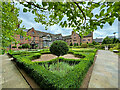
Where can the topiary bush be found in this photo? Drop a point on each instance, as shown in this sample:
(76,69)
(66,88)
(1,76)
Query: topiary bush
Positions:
(14,46)
(71,44)
(25,45)
(59,48)
(84,45)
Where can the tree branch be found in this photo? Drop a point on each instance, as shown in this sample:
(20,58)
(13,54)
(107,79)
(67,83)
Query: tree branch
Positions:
(81,11)
(31,3)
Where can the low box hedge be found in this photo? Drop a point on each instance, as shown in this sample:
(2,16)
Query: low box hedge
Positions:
(47,79)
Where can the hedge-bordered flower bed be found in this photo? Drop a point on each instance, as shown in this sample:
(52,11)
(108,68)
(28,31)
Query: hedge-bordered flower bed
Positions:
(47,79)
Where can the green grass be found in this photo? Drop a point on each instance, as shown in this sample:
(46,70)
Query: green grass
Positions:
(82,48)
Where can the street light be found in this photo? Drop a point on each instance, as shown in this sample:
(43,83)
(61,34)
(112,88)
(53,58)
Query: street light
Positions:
(114,37)
(114,34)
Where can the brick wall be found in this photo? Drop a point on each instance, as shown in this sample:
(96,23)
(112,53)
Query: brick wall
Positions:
(75,38)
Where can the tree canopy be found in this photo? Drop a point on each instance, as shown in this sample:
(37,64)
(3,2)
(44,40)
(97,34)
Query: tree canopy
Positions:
(59,48)
(80,15)
(108,40)
(10,23)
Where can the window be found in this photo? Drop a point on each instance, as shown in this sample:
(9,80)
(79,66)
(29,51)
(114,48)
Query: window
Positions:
(88,39)
(74,40)
(74,37)
(33,38)
(21,37)
(84,40)
(32,32)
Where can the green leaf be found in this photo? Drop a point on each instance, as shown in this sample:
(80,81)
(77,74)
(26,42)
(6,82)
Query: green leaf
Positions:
(33,12)
(97,16)
(24,10)
(44,4)
(102,6)
(110,23)
(101,26)
(102,12)
(109,10)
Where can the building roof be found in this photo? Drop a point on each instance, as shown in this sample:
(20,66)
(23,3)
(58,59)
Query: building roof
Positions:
(67,37)
(43,34)
(111,37)
(89,35)
(26,30)
(99,40)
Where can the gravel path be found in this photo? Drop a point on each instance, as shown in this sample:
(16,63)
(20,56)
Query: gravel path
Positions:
(105,71)
(47,57)
(10,76)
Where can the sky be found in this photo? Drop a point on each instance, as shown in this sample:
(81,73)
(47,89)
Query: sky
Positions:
(28,21)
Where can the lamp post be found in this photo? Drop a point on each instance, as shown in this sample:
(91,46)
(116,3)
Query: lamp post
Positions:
(114,37)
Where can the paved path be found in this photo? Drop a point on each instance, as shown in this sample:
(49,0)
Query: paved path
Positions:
(11,78)
(105,71)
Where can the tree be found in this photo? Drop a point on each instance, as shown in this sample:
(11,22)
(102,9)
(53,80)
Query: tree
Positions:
(107,40)
(75,44)
(10,23)
(95,43)
(79,15)
(59,48)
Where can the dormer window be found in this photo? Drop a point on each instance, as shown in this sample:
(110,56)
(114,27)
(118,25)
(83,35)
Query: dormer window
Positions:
(33,33)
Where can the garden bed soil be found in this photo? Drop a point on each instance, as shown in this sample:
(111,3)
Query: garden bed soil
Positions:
(47,57)
(86,80)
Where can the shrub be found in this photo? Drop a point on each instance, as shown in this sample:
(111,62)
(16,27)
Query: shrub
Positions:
(95,43)
(75,44)
(59,48)
(71,44)
(14,46)
(90,45)
(20,47)
(26,46)
(84,45)
(80,43)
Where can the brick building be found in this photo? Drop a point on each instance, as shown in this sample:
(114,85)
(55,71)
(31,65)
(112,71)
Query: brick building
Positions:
(43,39)
(76,38)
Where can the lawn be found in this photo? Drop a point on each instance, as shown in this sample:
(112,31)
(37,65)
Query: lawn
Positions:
(67,73)
(82,48)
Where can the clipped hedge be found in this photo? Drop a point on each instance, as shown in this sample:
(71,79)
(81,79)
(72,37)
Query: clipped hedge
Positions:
(103,46)
(25,45)
(84,45)
(47,79)
(14,46)
(20,47)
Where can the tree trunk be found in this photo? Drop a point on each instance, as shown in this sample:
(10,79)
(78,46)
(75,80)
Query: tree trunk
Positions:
(58,63)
